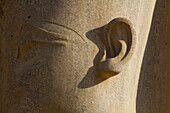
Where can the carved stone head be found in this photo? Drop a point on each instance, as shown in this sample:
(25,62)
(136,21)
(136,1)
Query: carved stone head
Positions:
(63,56)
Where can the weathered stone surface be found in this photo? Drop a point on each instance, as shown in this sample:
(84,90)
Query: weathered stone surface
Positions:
(55,58)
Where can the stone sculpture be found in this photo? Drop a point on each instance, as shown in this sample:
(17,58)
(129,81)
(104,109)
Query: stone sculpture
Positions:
(63,56)
(119,40)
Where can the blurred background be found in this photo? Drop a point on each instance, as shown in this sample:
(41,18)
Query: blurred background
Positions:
(154,83)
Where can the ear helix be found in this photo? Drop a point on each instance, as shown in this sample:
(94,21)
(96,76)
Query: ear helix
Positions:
(119,41)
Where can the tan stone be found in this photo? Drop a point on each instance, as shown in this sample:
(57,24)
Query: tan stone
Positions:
(63,56)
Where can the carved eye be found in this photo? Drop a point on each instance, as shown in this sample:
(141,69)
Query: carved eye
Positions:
(39,37)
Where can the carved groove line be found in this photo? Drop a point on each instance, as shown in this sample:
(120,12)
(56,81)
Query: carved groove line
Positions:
(66,28)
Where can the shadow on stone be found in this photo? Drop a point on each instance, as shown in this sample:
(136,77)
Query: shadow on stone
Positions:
(150,96)
(93,77)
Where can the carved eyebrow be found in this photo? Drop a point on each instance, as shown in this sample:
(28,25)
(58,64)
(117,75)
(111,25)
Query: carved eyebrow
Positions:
(66,28)
(50,34)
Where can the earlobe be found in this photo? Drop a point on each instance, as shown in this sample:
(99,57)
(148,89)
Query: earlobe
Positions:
(119,41)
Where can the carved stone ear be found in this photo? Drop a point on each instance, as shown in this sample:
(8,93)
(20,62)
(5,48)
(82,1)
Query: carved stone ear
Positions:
(119,39)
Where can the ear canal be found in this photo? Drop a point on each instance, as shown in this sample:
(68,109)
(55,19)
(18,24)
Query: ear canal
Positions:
(119,41)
